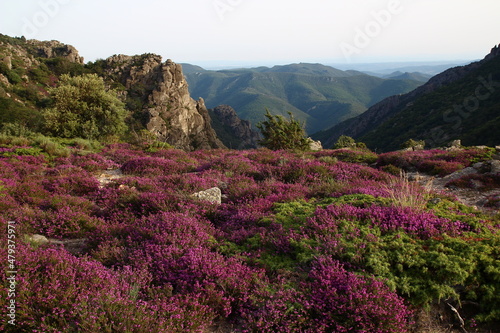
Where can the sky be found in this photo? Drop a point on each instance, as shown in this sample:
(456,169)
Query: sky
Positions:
(262,32)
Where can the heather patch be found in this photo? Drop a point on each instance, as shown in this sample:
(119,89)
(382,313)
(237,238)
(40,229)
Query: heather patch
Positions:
(302,242)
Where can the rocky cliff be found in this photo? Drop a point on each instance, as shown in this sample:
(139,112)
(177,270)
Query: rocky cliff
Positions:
(169,111)
(234,132)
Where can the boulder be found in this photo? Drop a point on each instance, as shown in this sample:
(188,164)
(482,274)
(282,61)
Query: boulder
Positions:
(37,239)
(455,145)
(495,166)
(213,195)
(315,145)
(461,173)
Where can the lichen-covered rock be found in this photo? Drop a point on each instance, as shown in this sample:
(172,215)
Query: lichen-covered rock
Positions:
(213,195)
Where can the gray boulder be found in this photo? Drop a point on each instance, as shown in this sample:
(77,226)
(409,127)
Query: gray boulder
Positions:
(213,195)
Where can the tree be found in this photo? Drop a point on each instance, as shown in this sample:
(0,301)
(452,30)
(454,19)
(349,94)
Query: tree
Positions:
(280,133)
(84,108)
(344,141)
(413,144)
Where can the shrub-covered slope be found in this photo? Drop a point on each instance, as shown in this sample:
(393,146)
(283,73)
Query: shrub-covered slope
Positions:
(460,103)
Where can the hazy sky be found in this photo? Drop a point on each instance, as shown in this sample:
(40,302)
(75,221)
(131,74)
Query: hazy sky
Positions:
(208,32)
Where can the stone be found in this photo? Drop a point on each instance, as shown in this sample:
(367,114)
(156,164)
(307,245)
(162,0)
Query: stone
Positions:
(478,165)
(315,145)
(213,195)
(4,81)
(495,166)
(237,133)
(8,62)
(37,239)
(455,144)
(461,173)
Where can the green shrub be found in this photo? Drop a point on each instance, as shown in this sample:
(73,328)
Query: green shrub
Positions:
(84,108)
(280,133)
(344,141)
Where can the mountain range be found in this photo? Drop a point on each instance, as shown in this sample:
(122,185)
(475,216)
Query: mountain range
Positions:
(461,103)
(318,95)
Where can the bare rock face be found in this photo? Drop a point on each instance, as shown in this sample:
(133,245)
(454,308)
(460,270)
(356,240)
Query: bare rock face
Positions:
(25,52)
(53,49)
(170,112)
(238,132)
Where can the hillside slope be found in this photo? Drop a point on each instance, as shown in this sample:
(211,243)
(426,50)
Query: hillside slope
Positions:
(155,92)
(321,96)
(460,103)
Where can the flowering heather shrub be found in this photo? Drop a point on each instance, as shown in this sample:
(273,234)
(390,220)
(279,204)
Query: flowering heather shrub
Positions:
(342,301)
(93,162)
(58,218)
(421,224)
(277,309)
(59,292)
(439,168)
(68,179)
(155,166)
(437,162)
(121,153)
(484,182)
(350,155)
(294,247)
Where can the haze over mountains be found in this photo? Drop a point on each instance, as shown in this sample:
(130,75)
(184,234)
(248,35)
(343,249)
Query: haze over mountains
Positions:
(320,96)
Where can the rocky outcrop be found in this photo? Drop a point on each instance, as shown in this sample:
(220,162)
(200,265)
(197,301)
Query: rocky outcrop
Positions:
(233,131)
(55,49)
(169,111)
(25,53)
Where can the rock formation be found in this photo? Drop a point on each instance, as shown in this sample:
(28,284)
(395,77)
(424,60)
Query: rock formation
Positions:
(170,112)
(53,49)
(234,132)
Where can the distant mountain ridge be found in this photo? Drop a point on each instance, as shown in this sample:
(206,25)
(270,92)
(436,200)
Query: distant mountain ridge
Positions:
(319,95)
(435,112)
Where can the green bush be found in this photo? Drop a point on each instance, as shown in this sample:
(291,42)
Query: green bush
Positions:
(84,108)
(280,133)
